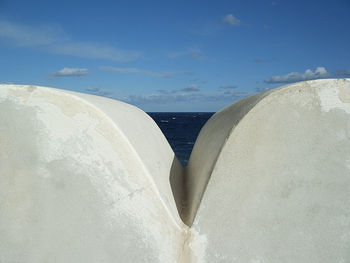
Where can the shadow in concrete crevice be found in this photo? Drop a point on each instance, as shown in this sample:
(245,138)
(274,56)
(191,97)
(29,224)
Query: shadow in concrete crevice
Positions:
(177,180)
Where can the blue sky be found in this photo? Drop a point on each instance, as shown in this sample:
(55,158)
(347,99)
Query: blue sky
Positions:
(173,55)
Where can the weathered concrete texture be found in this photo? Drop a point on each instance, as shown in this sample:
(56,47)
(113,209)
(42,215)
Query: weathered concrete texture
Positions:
(212,137)
(279,186)
(83,179)
(89,179)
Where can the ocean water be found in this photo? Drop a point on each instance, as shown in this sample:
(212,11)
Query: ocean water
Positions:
(181,130)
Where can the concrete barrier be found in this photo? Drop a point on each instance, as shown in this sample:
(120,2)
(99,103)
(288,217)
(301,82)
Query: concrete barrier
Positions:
(89,179)
(279,186)
(83,179)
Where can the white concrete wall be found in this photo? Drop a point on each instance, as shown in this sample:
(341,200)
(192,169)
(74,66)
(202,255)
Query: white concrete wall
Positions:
(207,148)
(83,179)
(279,189)
(88,179)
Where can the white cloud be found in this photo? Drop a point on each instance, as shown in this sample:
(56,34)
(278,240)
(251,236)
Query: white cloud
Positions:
(235,93)
(120,70)
(94,51)
(342,73)
(22,35)
(160,98)
(164,97)
(231,20)
(260,89)
(318,73)
(100,92)
(54,40)
(135,70)
(71,72)
(191,88)
(162,91)
(227,87)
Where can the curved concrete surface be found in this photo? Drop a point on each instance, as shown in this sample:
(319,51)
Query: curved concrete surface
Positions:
(89,179)
(212,138)
(83,179)
(278,187)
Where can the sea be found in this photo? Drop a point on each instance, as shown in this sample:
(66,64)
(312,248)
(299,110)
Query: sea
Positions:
(181,130)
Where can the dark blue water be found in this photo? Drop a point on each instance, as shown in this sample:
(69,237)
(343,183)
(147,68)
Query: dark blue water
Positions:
(181,130)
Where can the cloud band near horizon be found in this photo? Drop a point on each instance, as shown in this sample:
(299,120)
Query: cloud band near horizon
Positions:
(71,72)
(53,39)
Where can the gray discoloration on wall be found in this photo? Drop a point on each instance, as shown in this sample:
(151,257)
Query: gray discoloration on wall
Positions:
(335,95)
(73,189)
(344,91)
